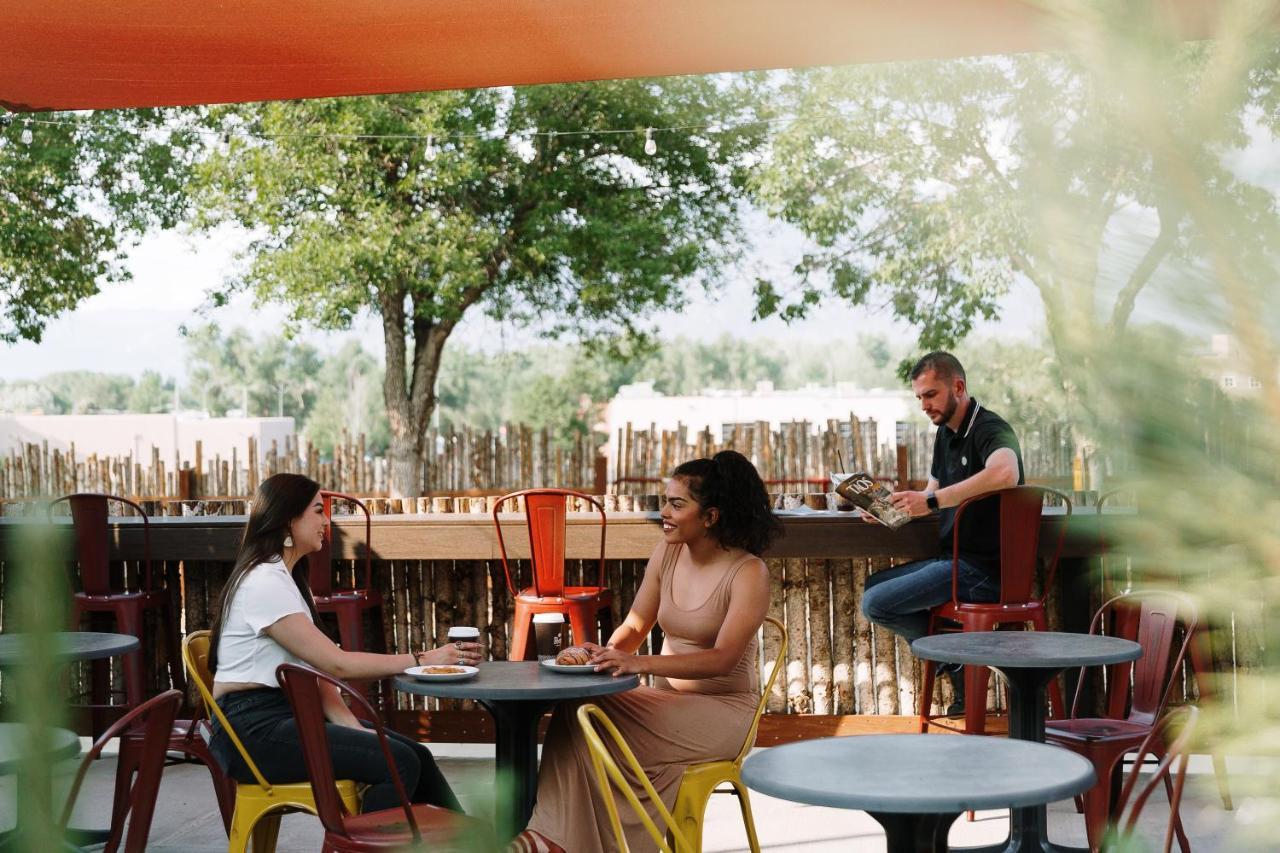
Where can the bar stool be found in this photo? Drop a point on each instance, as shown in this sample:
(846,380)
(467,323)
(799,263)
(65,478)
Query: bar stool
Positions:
(89,514)
(586,607)
(1020,510)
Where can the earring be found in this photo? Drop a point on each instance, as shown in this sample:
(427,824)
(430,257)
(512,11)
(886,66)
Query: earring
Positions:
(288,540)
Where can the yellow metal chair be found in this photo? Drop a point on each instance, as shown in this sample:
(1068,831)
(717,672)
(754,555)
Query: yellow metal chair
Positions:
(607,771)
(258,807)
(700,781)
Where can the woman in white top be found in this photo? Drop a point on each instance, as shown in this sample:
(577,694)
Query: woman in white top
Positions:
(266,618)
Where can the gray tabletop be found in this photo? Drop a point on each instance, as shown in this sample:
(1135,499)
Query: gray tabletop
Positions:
(503,680)
(67,645)
(1026,649)
(918,774)
(15,740)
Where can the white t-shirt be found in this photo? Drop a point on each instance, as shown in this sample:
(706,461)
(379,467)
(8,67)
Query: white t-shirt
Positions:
(246,654)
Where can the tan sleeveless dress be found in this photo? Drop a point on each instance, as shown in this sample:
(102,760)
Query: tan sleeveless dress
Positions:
(669,726)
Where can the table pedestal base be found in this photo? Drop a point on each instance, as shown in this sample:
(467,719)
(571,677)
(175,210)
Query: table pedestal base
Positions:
(915,833)
(1028,828)
(516,724)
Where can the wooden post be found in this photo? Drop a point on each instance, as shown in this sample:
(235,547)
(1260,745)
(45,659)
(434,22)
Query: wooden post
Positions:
(794,584)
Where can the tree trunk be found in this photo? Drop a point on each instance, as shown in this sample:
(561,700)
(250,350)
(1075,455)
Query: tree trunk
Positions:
(404,464)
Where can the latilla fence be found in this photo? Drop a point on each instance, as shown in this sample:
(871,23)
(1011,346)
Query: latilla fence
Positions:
(795,458)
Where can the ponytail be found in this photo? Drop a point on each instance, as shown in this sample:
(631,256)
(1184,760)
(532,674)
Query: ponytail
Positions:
(730,483)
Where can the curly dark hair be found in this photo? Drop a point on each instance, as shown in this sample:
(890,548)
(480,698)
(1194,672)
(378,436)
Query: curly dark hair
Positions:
(730,483)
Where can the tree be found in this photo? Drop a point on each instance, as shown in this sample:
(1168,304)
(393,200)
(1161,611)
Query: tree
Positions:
(150,393)
(348,398)
(79,392)
(261,378)
(71,199)
(515,204)
(932,188)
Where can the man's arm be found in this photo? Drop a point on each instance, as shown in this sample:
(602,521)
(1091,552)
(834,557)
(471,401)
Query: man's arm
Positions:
(1001,472)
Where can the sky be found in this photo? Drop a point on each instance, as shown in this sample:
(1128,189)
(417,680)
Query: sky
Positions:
(135,326)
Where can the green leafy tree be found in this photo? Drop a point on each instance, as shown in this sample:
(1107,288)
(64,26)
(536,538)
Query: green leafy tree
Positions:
(932,188)
(72,199)
(515,206)
(81,392)
(270,376)
(348,399)
(150,393)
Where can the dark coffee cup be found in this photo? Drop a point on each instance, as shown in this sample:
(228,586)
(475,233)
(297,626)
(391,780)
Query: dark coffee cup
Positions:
(548,634)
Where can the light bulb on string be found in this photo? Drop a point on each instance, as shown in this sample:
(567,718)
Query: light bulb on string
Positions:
(650,147)
(429,154)
(26,136)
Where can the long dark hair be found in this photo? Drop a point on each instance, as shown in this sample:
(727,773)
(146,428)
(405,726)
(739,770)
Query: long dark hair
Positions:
(279,500)
(730,483)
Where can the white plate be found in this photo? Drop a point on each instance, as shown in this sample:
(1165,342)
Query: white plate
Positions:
(550,663)
(418,673)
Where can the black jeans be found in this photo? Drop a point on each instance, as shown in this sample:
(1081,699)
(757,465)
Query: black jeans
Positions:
(264,722)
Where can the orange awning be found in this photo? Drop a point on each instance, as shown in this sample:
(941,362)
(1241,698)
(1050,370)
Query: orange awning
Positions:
(97,54)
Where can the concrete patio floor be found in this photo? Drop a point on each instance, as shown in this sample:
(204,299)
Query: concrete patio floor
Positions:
(187,820)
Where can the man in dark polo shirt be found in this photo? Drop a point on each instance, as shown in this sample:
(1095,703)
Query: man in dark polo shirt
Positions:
(975,451)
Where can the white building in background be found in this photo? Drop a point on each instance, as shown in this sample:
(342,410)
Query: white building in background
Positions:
(1229,367)
(718,410)
(135,434)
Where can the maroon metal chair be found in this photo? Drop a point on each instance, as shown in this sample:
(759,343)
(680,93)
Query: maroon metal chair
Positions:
(1199,651)
(411,826)
(187,737)
(1137,693)
(1170,743)
(348,604)
(154,718)
(1021,510)
(588,608)
(100,595)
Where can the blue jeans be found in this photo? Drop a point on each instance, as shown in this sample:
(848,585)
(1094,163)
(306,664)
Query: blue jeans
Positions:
(900,598)
(264,722)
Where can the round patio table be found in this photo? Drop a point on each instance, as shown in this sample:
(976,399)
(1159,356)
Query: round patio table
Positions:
(67,646)
(915,786)
(14,742)
(1028,661)
(517,694)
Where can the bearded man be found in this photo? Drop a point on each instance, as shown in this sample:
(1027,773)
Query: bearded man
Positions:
(975,451)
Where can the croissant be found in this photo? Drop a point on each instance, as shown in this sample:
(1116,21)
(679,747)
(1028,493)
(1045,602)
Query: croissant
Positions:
(573,656)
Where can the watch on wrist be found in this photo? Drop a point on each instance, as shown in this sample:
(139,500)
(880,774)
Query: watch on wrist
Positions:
(417,656)
(931,501)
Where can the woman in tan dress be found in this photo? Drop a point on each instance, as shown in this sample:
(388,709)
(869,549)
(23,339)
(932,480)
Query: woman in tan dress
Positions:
(708,590)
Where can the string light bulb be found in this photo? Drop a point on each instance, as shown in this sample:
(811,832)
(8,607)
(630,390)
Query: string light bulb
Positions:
(650,147)
(430,152)
(26,136)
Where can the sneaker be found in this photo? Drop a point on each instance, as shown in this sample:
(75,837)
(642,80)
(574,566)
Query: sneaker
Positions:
(955,673)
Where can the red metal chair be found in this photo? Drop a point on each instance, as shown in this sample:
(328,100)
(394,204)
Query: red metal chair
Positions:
(1200,650)
(348,604)
(188,737)
(98,594)
(154,718)
(1021,509)
(411,825)
(1170,741)
(1143,687)
(586,607)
